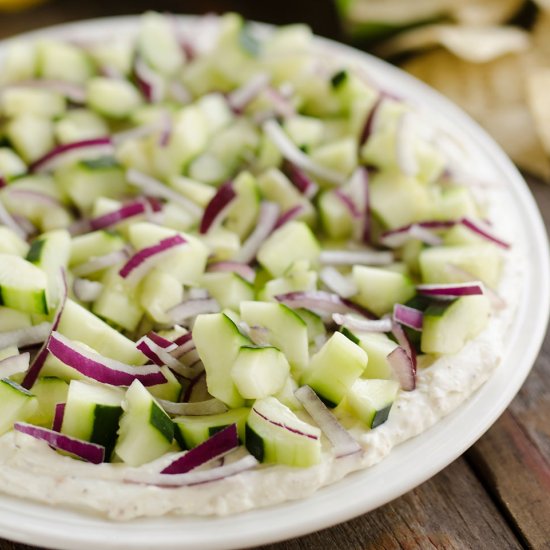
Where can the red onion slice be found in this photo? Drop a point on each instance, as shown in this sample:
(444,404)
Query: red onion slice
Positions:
(87,291)
(215,446)
(342,441)
(347,201)
(481,229)
(14,364)
(199,408)
(370,123)
(150,83)
(319,300)
(58,417)
(156,188)
(100,368)
(164,343)
(356,257)
(11,223)
(192,308)
(291,214)
(101,262)
(147,258)
(194,478)
(422,231)
(297,157)
(27,336)
(98,146)
(3,182)
(451,291)
(218,208)
(338,283)
(408,316)
(403,340)
(267,219)
(129,210)
(82,449)
(161,356)
(179,92)
(37,197)
(363,325)
(284,426)
(241,269)
(403,368)
(301,181)
(240,98)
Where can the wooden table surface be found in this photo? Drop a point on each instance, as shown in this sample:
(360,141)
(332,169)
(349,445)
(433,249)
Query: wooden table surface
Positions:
(497,495)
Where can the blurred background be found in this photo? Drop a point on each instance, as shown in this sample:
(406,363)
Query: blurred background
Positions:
(492,57)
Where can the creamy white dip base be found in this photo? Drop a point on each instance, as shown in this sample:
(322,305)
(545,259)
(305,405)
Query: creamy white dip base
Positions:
(31,469)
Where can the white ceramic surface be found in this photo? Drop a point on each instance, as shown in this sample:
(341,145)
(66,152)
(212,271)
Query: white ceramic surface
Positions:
(410,463)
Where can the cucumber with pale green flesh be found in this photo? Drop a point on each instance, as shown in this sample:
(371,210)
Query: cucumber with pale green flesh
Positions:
(78,125)
(31,136)
(169,390)
(49,391)
(379,289)
(10,351)
(94,244)
(315,325)
(335,216)
(228,289)
(159,292)
(218,359)
(340,156)
(371,400)
(293,241)
(92,413)
(243,213)
(259,371)
(113,98)
(334,368)
(11,243)
(191,431)
(377,348)
(13,319)
(287,330)
(274,434)
(58,60)
(23,286)
(11,164)
(297,278)
(446,328)
(222,243)
(146,431)
(35,101)
(16,404)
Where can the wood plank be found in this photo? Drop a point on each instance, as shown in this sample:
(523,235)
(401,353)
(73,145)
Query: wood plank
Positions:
(450,512)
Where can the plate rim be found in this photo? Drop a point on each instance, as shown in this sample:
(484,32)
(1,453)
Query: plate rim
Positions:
(286,513)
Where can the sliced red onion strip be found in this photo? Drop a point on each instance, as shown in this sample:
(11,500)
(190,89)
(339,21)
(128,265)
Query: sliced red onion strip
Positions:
(342,441)
(100,368)
(145,259)
(129,210)
(422,231)
(87,291)
(294,155)
(192,308)
(452,290)
(34,196)
(403,340)
(218,208)
(215,446)
(82,449)
(58,417)
(156,188)
(194,478)
(282,107)
(3,182)
(27,336)
(482,230)
(370,123)
(289,215)
(164,343)
(149,82)
(200,408)
(14,364)
(259,335)
(301,181)
(241,269)
(41,356)
(240,98)
(101,262)
(284,426)
(183,339)
(408,316)
(348,203)
(319,300)
(338,283)
(362,325)
(100,146)
(356,257)
(165,129)
(403,368)
(11,223)
(267,219)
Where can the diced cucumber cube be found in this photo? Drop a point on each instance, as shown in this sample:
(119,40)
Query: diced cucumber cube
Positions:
(13,319)
(243,213)
(371,400)
(80,124)
(113,98)
(228,289)
(16,404)
(335,216)
(62,61)
(94,244)
(158,292)
(340,156)
(34,101)
(378,347)
(31,136)
(49,391)
(170,390)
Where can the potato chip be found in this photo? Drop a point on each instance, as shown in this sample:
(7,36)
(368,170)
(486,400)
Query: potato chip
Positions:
(472,43)
(538,84)
(486,12)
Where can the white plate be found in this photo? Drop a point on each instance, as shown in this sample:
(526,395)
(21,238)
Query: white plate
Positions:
(362,491)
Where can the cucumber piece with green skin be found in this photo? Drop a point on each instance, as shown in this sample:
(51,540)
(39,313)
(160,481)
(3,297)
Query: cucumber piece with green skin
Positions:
(218,359)
(447,328)
(315,325)
(287,330)
(31,135)
(11,164)
(58,60)
(16,404)
(145,430)
(78,125)
(94,244)
(335,216)
(340,156)
(297,278)
(304,131)
(35,101)
(216,111)
(482,260)
(334,368)
(228,289)
(223,244)
(377,347)
(286,394)
(186,263)
(92,413)
(158,292)
(170,390)
(51,252)
(11,243)
(456,203)
(196,191)
(274,434)
(23,286)
(112,98)
(243,213)
(371,400)
(379,289)
(49,391)
(191,431)
(293,241)
(259,371)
